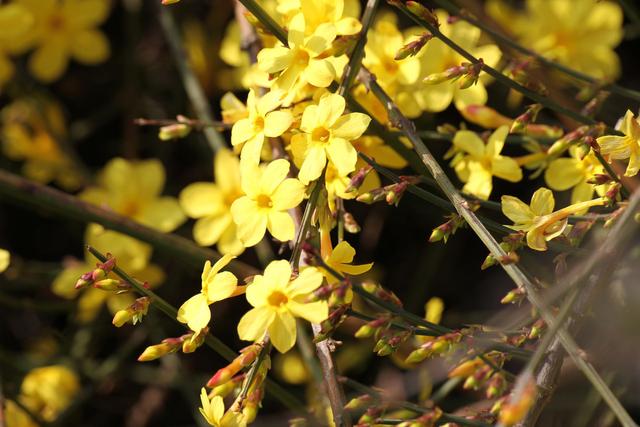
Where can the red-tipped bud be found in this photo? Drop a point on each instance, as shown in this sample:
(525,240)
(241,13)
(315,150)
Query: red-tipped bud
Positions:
(423,13)
(529,116)
(413,47)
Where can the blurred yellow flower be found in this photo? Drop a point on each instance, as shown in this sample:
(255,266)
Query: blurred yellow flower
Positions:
(213,411)
(538,219)
(30,128)
(210,203)
(482,162)
(397,77)
(133,189)
(5,258)
(574,172)
(581,34)
(302,61)
(49,390)
(438,57)
(340,260)
(216,286)
(624,147)
(319,12)
(15,416)
(277,301)
(268,196)
(263,121)
(132,255)
(374,147)
(63,29)
(15,21)
(327,133)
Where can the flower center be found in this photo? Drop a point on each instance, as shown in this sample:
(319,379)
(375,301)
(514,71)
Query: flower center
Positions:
(320,134)
(277,299)
(56,22)
(301,57)
(264,201)
(258,123)
(130,208)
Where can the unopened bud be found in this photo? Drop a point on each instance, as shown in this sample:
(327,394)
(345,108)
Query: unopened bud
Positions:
(168,2)
(513,296)
(358,403)
(134,313)
(514,411)
(248,355)
(85,280)
(594,105)
(452,73)
(195,340)
(423,13)
(472,74)
(413,48)
(418,355)
(466,368)
(612,193)
(364,331)
(156,351)
(599,179)
(522,121)
(112,285)
(173,131)
(350,223)
(358,178)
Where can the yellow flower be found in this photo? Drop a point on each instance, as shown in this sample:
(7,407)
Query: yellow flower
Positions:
(15,21)
(397,77)
(624,147)
(216,286)
(438,57)
(5,258)
(64,29)
(340,261)
(336,186)
(132,255)
(15,416)
(581,34)
(575,172)
(277,301)
(133,189)
(482,162)
(268,196)
(327,133)
(262,122)
(30,129)
(302,61)
(538,219)
(49,390)
(319,12)
(210,203)
(213,411)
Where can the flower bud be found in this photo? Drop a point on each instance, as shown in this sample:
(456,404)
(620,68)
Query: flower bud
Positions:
(168,2)
(84,280)
(522,121)
(153,352)
(513,296)
(413,47)
(599,179)
(112,285)
(134,313)
(173,131)
(247,356)
(358,403)
(350,223)
(423,13)
(418,355)
(514,411)
(364,331)
(194,340)
(358,178)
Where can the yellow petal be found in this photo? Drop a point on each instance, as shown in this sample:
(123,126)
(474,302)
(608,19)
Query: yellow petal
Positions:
(288,195)
(201,199)
(480,182)
(582,192)
(342,254)
(254,323)
(348,26)
(320,72)
(342,155)
(469,142)
(222,286)
(282,331)
(355,270)
(435,98)
(542,202)
(634,162)
(506,168)
(227,171)
(50,60)
(250,223)
(617,147)
(516,210)
(163,214)
(351,126)
(273,175)
(90,47)
(309,118)
(5,257)
(313,164)
(195,312)
(321,39)
(229,242)
(64,283)
(496,141)
(314,312)
(278,273)
(564,173)
(473,95)
(272,60)
(207,230)
(281,226)
(308,281)
(330,108)
(242,131)
(252,150)
(86,13)
(277,122)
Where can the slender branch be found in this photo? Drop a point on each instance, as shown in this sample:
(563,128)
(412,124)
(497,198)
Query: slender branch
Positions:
(355,60)
(42,199)
(189,80)
(211,341)
(507,42)
(305,223)
(513,270)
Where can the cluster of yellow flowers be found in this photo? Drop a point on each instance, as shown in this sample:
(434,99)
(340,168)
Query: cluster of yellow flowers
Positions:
(56,30)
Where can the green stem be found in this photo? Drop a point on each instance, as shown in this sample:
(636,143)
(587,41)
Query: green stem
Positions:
(189,80)
(305,222)
(40,198)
